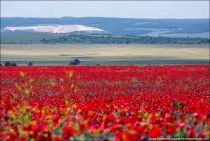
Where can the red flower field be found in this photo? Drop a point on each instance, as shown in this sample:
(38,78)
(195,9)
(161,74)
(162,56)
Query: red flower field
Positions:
(104,102)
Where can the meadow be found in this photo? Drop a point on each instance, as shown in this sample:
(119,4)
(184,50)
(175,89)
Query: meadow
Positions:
(92,54)
(104,102)
(104,71)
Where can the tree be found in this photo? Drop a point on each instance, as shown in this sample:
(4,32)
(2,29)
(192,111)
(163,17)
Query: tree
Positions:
(30,63)
(74,62)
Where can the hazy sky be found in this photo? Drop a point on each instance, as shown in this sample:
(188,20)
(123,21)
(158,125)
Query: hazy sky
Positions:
(126,9)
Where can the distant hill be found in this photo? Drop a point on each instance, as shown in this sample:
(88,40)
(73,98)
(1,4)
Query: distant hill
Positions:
(122,26)
(174,28)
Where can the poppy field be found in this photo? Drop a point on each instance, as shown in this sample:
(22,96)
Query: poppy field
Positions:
(104,102)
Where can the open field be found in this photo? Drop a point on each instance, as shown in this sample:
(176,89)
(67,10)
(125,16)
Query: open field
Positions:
(106,54)
(113,103)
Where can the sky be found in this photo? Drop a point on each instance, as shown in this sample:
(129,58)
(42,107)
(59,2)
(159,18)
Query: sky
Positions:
(123,9)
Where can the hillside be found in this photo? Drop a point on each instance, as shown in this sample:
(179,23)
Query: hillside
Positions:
(35,30)
(123,26)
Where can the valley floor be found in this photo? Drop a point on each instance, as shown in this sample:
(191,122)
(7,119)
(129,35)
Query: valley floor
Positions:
(105,54)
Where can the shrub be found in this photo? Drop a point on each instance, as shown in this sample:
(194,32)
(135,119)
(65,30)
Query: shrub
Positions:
(7,63)
(74,62)
(30,63)
(13,64)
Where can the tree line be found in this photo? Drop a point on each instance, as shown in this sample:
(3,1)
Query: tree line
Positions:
(112,39)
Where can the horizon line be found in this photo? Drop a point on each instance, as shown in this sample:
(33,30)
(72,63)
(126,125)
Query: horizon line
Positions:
(106,17)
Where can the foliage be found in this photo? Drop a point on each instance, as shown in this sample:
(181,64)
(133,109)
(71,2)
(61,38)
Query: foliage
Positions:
(111,39)
(8,63)
(76,61)
(30,63)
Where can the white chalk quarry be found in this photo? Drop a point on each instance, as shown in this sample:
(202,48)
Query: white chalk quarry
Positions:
(54,28)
